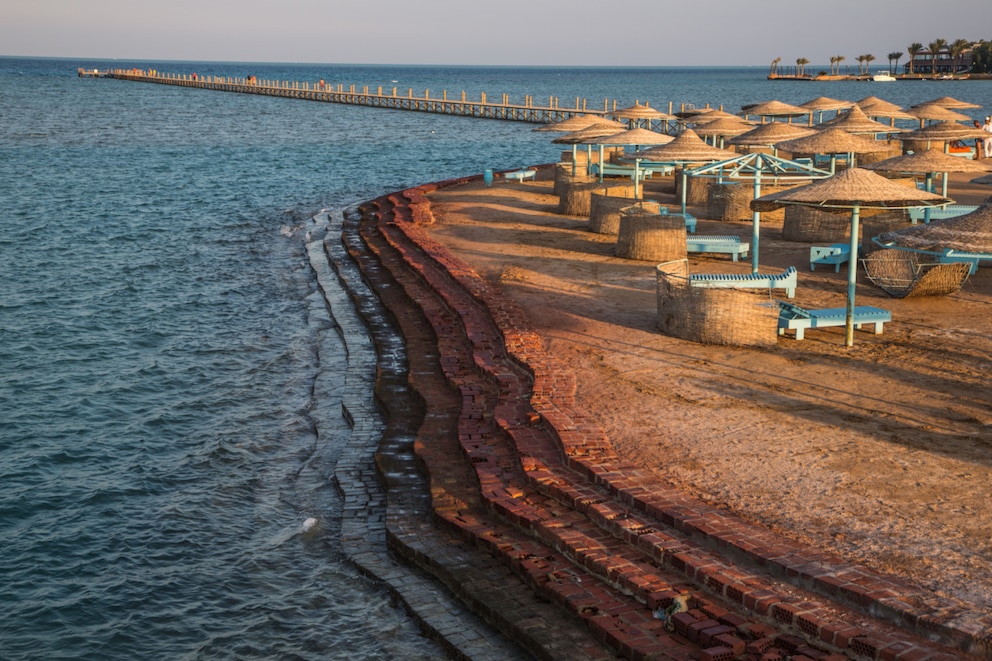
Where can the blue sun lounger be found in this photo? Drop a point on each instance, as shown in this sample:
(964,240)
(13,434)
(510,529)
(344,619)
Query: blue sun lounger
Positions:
(716,243)
(837,254)
(793,317)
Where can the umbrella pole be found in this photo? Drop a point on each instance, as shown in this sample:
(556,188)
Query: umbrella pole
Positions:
(637,178)
(852,276)
(575,156)
(755,223)
(602,153)
(929,185)
(684,179)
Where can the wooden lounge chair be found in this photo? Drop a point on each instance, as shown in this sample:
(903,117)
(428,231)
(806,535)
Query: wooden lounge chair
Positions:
(836,254)
(785,280)
(730,244)
(793,317)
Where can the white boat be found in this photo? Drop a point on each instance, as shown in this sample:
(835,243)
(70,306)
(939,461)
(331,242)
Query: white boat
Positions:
(883,77)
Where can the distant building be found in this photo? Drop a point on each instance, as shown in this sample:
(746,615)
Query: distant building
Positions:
(923,63)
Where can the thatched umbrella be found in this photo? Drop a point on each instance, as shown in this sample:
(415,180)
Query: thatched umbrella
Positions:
(686,148)
(638,112)
(822,103)
(833,141)
(873,107)
(970,232)
(768,135)
(573,123)
(723,127)
(854,189)
(774,109)
(636,137)
(950,102)
(943,132)
(600,128)
(856,120)
(934,111)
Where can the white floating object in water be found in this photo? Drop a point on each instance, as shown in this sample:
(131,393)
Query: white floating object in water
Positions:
(309,524)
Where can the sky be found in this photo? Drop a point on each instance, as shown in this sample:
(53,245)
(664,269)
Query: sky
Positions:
(493,32)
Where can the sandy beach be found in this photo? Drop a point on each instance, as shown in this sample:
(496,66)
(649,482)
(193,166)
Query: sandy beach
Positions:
(880,453)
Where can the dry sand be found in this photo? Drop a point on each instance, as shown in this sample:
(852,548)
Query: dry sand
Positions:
(880,453)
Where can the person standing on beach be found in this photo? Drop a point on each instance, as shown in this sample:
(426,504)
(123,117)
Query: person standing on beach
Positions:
(987,127)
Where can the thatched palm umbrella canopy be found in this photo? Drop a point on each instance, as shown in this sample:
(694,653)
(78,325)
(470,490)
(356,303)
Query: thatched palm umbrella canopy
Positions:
(687,148)
(774,109)
(876,107)
(833,141)
(856,120)
(573,123)
(708,116)
(638,112)
(636,137)
(600,128)
(768,135)
(943,132)
(723,127)
(853,189)
(971,232)
(933,111)
(930,163)
(950,102)
(824,103)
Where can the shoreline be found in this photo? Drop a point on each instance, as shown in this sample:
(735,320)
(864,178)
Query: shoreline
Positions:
(574,442)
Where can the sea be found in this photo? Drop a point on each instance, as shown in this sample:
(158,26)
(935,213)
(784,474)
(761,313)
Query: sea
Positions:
(161,440)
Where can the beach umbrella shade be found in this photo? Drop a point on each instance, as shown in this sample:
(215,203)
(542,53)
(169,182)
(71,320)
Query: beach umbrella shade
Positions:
(768,135)
(710,115)
(872,106)
(853,189)
(755,167)
(687,148)
(943,132)
(971,232)
(950,102)
(930,163)
(935,112)
(636,137)
(855,120)
(638,112)
(575,138)
(832,141)
(573,123)
(774,109)
(722,128)
(823,103)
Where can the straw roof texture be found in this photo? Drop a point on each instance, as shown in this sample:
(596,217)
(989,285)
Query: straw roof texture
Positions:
(772,133)
(950,102)
(971,232)
(710,116)
(724,126)
(856,121)
(599,129)
(937,112)
(640,111)
(636,136)
(852,187)
(687,147)
(943,131)
(929,161)
(573,123)
(775,109)
(876,107)
(833,141)
(826,103)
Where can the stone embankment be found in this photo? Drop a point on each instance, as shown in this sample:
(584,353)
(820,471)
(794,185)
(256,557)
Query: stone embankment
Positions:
(505,493)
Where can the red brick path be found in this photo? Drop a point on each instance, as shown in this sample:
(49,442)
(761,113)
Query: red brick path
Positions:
(522,478)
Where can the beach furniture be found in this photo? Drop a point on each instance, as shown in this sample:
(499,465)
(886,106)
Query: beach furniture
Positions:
(950,211)
(487,176)
(903,273)
(520,175)
(792,317)
(731,245)
(690,220)
(785,280)
(836,254)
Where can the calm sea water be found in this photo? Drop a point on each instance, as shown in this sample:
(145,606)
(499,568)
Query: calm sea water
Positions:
(159,447)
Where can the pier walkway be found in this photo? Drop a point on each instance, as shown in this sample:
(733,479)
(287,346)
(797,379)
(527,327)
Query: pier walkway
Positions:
(526,111)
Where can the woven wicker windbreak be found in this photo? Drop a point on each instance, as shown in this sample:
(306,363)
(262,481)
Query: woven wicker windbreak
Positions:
(576,196)
(731,200)
(648,237)
(879,223)
(741,317)
(905,274)
(564,176)
(605,211)
(697,189)
(809,224)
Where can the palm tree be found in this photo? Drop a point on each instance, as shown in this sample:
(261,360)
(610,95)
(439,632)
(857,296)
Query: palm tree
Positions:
(833,63)
(894,57)
(935,47)
(869,58)
(957,50)
(802,62)
(840,58)
(913,50)
(774,68)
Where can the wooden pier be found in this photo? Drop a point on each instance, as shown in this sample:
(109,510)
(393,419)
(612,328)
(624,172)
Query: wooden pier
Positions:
(527,111)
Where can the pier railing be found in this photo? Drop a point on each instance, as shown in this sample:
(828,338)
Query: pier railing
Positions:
(526,111)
